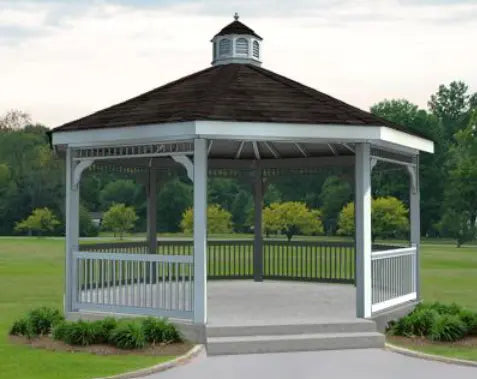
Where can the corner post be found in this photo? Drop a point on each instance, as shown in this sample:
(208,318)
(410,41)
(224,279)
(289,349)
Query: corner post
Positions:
(415,221)
(258,235)
(363,230)
(152,211)
(200,231)
(71,231)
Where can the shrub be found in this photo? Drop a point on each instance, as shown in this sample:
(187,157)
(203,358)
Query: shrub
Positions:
(170,334)
(104,328)
(61,330)
(417,323)
(19,328)
(81,333)
(128,335)
(447,328)
(470,320)
(444,309)
(159,330)
(41,320)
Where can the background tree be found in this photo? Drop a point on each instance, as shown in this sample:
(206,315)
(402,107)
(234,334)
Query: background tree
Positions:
(119,219)
(335,193)
(172,201)
(86,225)
(14,119)
(219,220)
(41,220)
(291,218)
(389,218)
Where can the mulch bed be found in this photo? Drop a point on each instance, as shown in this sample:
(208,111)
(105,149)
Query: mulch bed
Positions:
(468,342)
(48,343)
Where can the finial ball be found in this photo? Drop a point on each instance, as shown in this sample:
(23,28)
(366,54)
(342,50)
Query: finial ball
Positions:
(236,16)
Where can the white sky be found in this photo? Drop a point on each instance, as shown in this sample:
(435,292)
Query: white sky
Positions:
(60,60)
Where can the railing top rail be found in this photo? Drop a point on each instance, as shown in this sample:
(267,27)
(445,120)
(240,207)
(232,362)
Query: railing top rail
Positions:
(111,245)
(393,252)
(134,257)
(308,243)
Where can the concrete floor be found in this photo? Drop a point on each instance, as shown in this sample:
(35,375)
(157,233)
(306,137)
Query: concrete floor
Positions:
(245,302)
(338,364)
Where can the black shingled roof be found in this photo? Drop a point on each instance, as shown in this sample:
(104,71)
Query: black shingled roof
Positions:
(236,27)
(232,92)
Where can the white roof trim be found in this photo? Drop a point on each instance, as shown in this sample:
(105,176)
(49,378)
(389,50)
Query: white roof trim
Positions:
(249,131)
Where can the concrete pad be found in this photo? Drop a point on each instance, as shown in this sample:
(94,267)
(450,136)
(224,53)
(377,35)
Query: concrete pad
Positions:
(245,302)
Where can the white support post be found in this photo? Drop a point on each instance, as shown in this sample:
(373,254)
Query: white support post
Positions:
(200,231)
(258,239)
(415,219)
(363,230)
(71,231)
(152,211)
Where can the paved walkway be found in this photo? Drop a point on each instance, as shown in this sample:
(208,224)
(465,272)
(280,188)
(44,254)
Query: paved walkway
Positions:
(343,364)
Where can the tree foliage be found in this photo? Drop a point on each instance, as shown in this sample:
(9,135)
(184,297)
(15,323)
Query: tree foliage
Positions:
(119,219)
(41,220)
(219,220)
(389,218)
(291,218)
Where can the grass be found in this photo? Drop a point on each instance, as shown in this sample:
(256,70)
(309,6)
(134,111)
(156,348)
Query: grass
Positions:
(31,275)
(451,350)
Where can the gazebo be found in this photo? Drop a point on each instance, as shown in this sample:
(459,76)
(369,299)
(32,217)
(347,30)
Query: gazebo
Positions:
(237,119)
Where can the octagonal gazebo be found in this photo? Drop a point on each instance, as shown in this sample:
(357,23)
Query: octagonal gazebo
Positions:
(233,117)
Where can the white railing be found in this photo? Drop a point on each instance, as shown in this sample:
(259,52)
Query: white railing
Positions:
(393,277)
(159,285)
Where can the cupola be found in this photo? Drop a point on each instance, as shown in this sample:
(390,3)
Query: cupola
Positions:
(236,43)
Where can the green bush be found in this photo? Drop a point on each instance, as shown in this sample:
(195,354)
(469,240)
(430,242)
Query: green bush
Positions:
(470,320)
(417,323)
(159,330)
(443,309)
(128,335)
(20,328)
(448,328)
(41,320)
(81,333)
(104,328)
(61,330)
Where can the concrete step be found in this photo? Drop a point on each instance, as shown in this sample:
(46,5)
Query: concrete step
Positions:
(293,342)
(359,325)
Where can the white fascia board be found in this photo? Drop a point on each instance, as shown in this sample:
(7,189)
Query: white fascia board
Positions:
(174,131)
(286,132)
(405,139)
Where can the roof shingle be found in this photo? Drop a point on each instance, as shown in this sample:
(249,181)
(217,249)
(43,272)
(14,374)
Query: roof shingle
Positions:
(232,92)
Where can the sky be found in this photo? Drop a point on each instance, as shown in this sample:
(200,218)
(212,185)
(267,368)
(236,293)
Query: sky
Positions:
(63,59)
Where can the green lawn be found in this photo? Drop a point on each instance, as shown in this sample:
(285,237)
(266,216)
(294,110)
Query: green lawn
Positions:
(31,275)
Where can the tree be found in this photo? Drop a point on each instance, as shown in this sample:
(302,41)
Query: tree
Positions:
(388,180)
(172,201)
(41,220)
(291,218)
(14,119)
(219,220)
(335,193)
(389,218)
(119,219)
(86,225)
(451,104)
(460,206)
(458,226)
(121,191)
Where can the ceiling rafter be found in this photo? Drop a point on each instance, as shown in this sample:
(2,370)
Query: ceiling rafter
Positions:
(301,149)
(333,149)
(255,150)
(272,149)
(239,150)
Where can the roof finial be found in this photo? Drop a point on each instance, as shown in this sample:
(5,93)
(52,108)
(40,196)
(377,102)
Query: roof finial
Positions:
(236,16)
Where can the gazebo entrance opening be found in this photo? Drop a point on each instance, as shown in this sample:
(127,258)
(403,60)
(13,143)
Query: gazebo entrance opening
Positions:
(169,277)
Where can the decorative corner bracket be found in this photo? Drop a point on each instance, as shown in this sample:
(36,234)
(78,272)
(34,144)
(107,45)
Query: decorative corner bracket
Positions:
(186,163)
(78,169)
(412,170)
(373,162)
